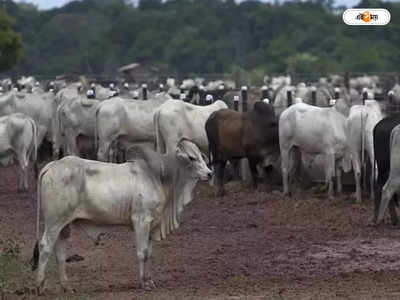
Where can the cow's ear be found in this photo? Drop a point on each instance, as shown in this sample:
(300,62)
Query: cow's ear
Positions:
(181,153)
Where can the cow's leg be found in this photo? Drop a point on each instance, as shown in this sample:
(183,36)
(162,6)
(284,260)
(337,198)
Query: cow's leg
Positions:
(285,165)
(339,180)
(36,169)
(392,210)
(372,178)
(60,257)
(268,174)
(355,161)
(236,169)
(254,173)
(112,156)
(142,231)
(377,200)
(329,173)
(104,151)
(388,191)
(46,248)
(392,204)
(72,147)
(23,179)
(56,151)
(147,270)
(364,172)
(219,170)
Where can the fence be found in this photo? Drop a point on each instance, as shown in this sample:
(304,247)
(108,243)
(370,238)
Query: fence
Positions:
(240,78)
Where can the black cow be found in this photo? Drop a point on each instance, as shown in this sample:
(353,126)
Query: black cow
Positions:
(382,133)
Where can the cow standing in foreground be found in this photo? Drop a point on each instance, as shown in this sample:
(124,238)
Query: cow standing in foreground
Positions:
(382,150)
(392,185)
(234,135)
(314,130)
(148,195)
(18,137)
(359,130)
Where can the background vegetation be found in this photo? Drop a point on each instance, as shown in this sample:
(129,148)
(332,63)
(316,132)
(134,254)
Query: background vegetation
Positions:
(202,36)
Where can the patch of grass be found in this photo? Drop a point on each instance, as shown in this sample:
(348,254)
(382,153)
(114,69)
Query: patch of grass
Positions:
(16,278)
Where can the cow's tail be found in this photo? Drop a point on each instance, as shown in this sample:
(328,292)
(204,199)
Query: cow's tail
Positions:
(393,135)
(159,140)
(363,125)
(35,257)
(59,129)
(34,151)
(35,143)
(96,128)
(211,141)
(209,154)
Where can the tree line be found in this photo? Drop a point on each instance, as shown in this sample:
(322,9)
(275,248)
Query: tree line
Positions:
(201,36)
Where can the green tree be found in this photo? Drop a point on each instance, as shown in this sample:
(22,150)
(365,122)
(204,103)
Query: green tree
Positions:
(200,36)
(10,43)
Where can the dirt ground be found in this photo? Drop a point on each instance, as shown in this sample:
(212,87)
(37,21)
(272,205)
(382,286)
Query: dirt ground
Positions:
(246,245)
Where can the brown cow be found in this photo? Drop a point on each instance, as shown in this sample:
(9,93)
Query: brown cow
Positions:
(234,135)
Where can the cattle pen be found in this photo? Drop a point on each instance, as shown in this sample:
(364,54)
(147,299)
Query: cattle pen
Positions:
(247,244)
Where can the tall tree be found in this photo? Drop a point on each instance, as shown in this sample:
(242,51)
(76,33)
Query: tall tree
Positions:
(10,43)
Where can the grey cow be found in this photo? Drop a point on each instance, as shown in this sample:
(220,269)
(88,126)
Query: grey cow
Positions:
(146,194)
(18,137)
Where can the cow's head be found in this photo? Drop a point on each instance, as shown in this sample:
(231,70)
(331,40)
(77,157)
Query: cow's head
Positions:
(190,155)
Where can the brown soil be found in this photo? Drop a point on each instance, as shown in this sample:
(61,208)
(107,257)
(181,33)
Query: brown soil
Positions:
(246,245)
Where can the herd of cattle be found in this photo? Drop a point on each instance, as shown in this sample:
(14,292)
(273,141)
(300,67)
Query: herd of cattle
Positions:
(169,139)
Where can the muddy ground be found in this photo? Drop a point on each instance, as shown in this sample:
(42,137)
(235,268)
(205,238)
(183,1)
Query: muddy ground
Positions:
(246,245)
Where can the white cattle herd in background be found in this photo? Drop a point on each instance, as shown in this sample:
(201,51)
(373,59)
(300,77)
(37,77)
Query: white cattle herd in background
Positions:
(166,139)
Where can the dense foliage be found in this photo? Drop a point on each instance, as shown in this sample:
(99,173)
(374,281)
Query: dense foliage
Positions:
(10,43)
(203,36)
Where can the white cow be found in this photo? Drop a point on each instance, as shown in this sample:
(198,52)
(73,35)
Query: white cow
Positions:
(313,131)
(176,119)
(102,93)
(392,185)
(300,92)
(18,137)
(395,91)
(359,129)
(361,82)
(77,122)
(26,83)
(37,107)
(148,195)
(63,96)
(276,82)
(125,121)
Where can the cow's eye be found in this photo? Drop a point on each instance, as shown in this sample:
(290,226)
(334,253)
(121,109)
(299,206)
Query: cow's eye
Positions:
(192,158)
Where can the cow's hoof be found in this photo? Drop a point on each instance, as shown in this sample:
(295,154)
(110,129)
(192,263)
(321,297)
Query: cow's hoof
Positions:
(148,285)
(74,258)
(67,289)
(220,193)
(22,190)
(40,290)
